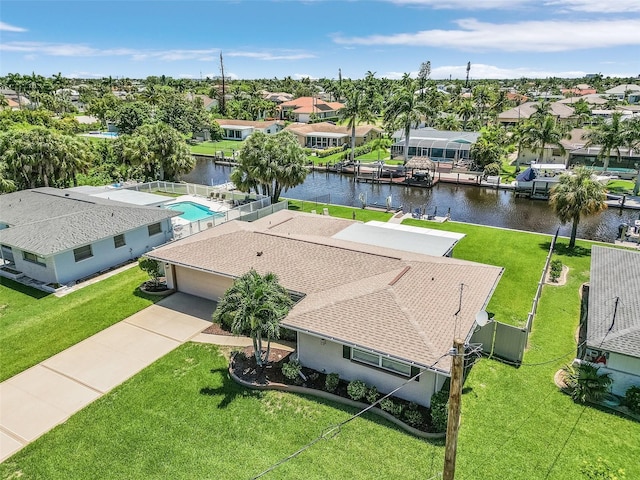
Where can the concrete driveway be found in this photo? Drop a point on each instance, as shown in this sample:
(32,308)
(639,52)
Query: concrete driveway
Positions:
(38,399)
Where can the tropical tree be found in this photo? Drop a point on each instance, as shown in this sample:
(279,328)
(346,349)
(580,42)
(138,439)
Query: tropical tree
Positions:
(270,164)
(631,139)
(131,115)
(609,135)
(355,110)
(546,131)
(466,109)
(575,195)
(158,150)
(585,383)
(405,111)
(254,305)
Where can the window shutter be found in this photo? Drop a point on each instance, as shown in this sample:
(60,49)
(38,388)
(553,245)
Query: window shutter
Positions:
(415,371)
(346,352)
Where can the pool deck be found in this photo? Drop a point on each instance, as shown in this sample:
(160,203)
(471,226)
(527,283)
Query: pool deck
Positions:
(212,205)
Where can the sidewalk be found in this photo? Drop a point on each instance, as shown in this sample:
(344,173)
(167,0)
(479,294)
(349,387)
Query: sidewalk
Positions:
(38,399)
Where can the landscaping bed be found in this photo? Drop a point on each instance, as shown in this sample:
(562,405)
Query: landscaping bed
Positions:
(414,418)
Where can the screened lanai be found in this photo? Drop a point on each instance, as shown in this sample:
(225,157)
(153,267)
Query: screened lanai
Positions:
(438,145)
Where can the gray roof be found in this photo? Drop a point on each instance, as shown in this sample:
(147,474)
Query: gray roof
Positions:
(443,136)
(401,237)
(615,274)
(46,221)
(627,87)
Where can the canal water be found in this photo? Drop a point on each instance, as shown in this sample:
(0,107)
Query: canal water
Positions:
(484,206)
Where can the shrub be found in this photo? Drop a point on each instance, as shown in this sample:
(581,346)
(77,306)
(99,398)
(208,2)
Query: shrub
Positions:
(413,416)
(291,370)
(632,398)
(328,151)
(331,382)
(240,355)
(372,394)
(440,410)
(357,389)
(151,267)
(556,270)
(492,169)
(584,382)
(392,407)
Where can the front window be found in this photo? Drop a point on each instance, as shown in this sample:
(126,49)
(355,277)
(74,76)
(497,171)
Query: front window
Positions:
(383,363)
(118,241)
(154,229)
(82,253)
(33,258)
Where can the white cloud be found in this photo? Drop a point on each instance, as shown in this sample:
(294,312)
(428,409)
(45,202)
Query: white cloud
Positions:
(464,4)
(527,36)
(596,6)
(86,75)
(5,27)
(591,6)
(271,56)
(300,76)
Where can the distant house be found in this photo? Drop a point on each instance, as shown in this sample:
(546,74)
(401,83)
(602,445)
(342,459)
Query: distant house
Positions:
(305,109)
(277,97)
(591,99)
(207,102)
(580,89)
(610,335)
(57,236)
(368,309)
(523,112)
(241,129)
(628,92)
(327,135)
(438,145)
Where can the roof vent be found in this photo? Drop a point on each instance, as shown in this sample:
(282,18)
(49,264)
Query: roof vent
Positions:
(259,254)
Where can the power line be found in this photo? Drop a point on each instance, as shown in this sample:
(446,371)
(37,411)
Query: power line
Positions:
(332,430)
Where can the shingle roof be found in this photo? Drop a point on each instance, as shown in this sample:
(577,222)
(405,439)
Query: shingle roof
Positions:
(248,123)
(397,303)
(615,274)
(326,127)
(46,221)
(525,111)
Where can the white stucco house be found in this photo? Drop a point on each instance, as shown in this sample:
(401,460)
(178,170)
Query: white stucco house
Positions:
(241,129)
(366,311)
(59,237)
(610,335)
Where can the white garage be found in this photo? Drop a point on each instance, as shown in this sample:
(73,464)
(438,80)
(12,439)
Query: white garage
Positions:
(201,284)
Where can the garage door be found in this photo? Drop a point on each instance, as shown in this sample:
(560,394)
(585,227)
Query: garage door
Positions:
(201,284)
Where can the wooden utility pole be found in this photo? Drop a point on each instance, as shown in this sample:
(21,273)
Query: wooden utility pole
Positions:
(453,422)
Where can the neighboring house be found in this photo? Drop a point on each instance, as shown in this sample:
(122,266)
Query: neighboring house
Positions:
(207,102)
(610,336)
(277,97)
(124,195)
(57,236)
(327,135)
(626,92)
(438,145)
(591,99)
(515,115)
(580,89)
(305,109)
(241,129)
(86,119)
(366,311)
(11,104)
(552,153)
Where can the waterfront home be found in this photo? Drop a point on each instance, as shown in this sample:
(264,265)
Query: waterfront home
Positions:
(368,309)
(306,109)
(59,237)
(438,145)
(610,336)
(241,129)
(327,135)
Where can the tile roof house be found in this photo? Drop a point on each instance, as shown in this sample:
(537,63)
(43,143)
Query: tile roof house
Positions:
(610,337)
(523,112)
(58,236)
(328,135)
(241,129)
(302,109)
(367,311)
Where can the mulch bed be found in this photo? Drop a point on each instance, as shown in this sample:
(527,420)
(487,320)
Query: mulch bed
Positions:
(215,329)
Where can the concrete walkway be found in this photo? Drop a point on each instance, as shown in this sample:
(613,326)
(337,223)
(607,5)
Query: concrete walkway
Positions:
(38,399)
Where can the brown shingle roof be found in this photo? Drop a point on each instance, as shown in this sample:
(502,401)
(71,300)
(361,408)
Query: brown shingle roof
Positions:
(397,303)
(326,127)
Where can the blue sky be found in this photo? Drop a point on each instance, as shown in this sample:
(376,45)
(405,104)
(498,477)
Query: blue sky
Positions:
(315,38)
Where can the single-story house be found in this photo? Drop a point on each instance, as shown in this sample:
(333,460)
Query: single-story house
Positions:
(305,109)
(610,335)
(524,111)
(57,236)
(629,92)
(277,97)
(241,129)
(591,99)
(438,145)
(366,311)
(327,135)
(125,195)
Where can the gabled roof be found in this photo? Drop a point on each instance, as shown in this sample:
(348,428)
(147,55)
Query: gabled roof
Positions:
(311,105)
(614,301)
(391,301)
(591,99)
(627,87)
(46,221)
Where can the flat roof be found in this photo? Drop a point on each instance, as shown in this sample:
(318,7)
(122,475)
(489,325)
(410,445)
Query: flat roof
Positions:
(326,134)
(401,237)
(548,166)
(133,197)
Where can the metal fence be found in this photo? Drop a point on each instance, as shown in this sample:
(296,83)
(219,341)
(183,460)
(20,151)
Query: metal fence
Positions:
(250,216)
(185,188)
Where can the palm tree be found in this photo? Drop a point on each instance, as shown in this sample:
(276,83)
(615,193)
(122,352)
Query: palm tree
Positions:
(631,139)
(576,194)
(466,109)
(585,383)
(548,131)
(254,305)
(609,135)
(405,111)
(355,110)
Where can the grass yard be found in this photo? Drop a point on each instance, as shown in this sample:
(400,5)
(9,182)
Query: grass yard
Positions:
(364,215)
(620,187)
(210,148)
(35,325)
(182,418)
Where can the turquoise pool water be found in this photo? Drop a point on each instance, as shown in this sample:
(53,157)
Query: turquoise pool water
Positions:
(192,211)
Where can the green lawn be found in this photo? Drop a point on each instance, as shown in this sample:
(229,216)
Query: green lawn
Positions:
(35,325)
(364,215)
(620,187)
(210,148)
(183,418)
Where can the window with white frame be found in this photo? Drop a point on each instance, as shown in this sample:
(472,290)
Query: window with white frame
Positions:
(381,362)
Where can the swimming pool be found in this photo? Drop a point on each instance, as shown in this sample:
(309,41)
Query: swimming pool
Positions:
(193,211)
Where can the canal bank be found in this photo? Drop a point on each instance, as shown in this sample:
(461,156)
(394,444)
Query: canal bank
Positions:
(466,203)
